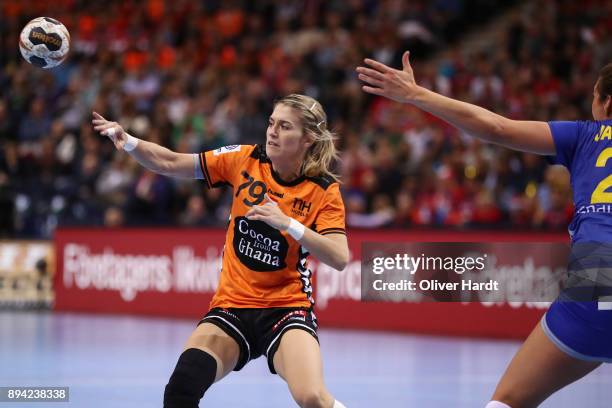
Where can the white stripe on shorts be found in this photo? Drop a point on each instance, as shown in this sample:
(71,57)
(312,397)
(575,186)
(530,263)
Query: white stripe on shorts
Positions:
(604,305)
(236,330)
(565,348)
(285,329)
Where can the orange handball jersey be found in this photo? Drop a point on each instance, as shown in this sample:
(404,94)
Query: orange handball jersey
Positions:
(262,266)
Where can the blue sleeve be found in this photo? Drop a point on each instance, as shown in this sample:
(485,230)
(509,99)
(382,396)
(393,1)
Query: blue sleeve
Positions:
(565,135)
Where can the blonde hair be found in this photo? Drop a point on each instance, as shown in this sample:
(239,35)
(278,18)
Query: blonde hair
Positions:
(322,153)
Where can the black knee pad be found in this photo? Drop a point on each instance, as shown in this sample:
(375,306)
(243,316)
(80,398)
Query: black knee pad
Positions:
(193,375)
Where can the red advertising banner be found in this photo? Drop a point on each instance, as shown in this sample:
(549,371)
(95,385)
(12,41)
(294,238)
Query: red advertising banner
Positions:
(174,272)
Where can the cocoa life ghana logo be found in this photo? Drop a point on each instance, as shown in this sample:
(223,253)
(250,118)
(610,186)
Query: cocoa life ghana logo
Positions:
(259,246)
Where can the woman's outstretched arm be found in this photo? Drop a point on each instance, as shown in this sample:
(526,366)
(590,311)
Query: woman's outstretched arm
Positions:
(400,86)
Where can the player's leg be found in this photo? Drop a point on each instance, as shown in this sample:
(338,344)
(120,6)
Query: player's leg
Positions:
(216,342)
(210,354)
(298,361)
(537,370)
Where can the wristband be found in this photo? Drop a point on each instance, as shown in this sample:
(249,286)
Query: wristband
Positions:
(296,229)
(130,143)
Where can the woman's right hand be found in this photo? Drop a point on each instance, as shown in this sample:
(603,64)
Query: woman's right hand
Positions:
(395,84)
(112,130)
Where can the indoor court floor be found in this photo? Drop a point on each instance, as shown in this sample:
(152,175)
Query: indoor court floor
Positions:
(125,361)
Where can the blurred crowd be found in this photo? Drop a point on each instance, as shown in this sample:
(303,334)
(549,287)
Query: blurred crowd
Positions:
(194,76)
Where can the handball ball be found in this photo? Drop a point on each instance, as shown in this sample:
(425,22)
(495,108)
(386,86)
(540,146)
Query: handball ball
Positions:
(44,42)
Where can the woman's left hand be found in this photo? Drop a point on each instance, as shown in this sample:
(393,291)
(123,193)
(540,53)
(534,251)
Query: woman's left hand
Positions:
(270,214)
(398,85)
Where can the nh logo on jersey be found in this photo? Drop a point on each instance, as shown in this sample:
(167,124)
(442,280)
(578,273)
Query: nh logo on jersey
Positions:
(300,207)
(226,149)
(605,133)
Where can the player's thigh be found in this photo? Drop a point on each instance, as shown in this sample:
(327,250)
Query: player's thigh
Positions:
(298,361)
(213,340)
(538,369)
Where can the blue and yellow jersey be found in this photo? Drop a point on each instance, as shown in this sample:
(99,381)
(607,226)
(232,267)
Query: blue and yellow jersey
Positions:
(585,148)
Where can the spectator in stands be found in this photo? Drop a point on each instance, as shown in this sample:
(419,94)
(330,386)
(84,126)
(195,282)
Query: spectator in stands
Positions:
(198,75)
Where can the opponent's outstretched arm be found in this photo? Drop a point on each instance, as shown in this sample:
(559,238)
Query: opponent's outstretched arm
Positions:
(400,86)
(150,155)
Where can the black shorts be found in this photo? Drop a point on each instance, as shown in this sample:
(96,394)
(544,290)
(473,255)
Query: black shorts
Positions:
(258,331)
